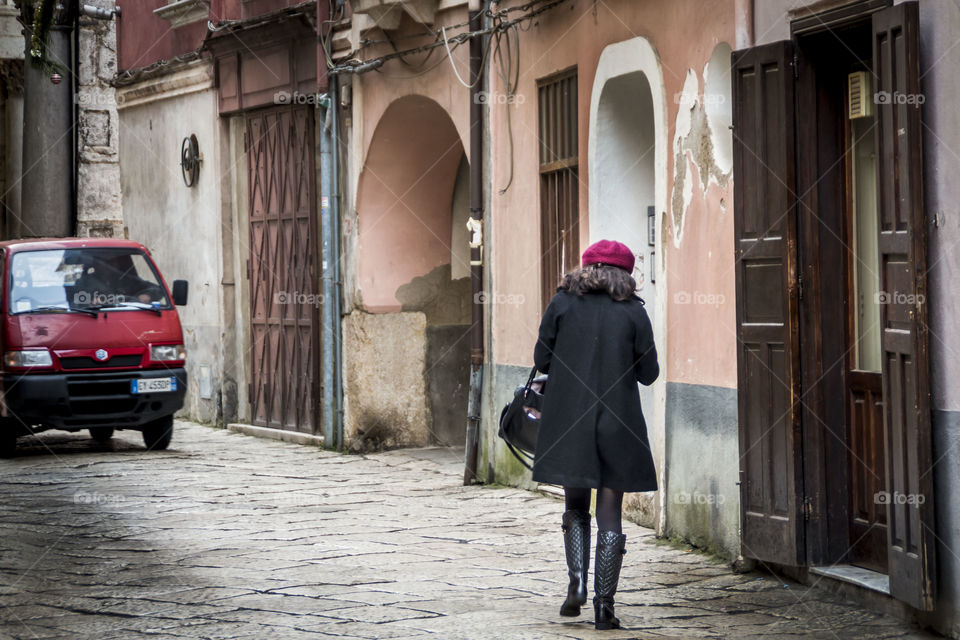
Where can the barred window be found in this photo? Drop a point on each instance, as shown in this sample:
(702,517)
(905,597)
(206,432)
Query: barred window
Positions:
(559,179)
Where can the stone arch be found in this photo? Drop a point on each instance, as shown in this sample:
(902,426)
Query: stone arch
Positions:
(627,155)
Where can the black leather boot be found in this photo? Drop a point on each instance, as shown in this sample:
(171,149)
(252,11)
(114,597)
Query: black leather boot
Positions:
(610,550)
(576,541)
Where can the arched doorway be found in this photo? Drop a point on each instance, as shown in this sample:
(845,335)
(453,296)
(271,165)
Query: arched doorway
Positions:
(627,179)
(408,378)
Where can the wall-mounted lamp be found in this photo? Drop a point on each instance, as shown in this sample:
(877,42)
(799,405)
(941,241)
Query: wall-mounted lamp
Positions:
(190,159)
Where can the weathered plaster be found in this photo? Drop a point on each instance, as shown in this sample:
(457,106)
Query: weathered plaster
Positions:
(384,385)
(99,198)
(181,225)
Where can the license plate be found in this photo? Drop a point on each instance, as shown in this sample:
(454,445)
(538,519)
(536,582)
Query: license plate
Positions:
(153,385)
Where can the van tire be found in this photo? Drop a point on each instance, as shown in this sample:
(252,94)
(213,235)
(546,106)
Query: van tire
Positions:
(157,434)
(8,445)
(101,434)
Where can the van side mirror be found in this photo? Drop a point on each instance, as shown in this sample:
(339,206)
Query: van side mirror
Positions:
(180,292)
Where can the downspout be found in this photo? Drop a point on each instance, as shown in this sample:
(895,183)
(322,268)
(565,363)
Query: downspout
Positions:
(744,24)
(328,396)
(475,226)
(336,260)
(332,391)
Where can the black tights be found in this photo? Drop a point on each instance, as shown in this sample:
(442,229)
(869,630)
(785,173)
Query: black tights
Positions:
(609,505)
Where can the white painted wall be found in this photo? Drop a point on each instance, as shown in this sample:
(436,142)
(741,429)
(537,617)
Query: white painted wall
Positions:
(181,226)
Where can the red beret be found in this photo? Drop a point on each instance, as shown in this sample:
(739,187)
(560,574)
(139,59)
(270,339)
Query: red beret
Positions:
(609,252)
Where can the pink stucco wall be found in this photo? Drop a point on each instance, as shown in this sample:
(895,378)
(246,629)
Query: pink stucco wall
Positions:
(700,339)
(404,199)
(412,130)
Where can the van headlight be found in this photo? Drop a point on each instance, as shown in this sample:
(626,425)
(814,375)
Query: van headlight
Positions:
(29,358)
(167,352)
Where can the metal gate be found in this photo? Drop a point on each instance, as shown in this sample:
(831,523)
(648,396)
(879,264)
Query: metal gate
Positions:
(284,287)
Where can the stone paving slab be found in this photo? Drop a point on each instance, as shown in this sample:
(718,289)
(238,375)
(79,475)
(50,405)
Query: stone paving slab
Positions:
(225,536)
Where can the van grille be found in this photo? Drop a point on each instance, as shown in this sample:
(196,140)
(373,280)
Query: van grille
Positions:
(86,362)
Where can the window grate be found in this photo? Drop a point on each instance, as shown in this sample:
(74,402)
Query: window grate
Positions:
(559,179)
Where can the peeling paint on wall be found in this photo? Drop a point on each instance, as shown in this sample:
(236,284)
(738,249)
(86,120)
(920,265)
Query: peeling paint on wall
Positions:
(696,142)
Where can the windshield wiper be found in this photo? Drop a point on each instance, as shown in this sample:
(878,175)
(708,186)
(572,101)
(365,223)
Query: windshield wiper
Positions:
(50,309)
(143,306)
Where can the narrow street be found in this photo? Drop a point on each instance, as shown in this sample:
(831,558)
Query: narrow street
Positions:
(228,536)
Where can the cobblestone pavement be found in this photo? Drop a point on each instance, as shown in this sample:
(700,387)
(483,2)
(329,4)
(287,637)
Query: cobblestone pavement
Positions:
(228,536)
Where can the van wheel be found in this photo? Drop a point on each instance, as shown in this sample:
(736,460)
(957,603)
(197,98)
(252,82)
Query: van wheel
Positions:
(8,445)
(101,434)
(157,434)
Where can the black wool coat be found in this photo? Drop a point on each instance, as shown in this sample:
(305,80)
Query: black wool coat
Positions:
(592,431)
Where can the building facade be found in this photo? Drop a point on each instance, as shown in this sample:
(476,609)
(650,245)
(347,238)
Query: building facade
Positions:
(791,224)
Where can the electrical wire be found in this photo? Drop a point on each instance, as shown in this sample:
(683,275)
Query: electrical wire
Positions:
(509,73)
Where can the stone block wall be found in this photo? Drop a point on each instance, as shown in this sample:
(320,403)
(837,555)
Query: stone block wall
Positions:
(99,202)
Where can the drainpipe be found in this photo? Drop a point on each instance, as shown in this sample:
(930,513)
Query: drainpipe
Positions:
(327,315)
(332,391)
(476,247)
(335,258)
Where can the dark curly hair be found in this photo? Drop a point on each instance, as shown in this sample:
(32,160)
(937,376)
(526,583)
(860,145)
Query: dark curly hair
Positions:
(616,282)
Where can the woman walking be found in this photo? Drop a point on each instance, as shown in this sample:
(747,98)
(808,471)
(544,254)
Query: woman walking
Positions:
(596,343)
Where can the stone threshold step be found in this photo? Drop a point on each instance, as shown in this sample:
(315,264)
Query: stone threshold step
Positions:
(859,576)
(295,437)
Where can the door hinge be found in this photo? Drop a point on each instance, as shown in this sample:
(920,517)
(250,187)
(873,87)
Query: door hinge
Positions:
(796,66)
(807,508)
(800,286)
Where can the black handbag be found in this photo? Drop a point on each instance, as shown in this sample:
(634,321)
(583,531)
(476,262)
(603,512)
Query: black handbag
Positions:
(520,418)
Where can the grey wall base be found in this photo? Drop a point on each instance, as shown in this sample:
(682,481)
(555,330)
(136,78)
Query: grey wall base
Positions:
(946,455)
(703,499)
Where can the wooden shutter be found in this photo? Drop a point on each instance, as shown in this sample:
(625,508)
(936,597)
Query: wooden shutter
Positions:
(903,309)
(767,297)
(559,180)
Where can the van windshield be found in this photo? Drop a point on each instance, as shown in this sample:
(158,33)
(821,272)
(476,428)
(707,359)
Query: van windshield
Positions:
(87,278)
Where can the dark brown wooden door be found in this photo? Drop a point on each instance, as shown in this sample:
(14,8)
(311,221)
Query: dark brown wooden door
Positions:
(284,289)
(903,313)
(767,297)
(868,513)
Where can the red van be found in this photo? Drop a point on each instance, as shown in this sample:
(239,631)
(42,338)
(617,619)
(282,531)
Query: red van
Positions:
(90,339)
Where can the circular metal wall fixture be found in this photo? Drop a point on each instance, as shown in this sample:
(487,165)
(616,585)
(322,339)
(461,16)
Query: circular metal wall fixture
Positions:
(190,159)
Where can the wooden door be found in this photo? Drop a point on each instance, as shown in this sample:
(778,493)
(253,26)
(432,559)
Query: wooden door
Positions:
(767,297)
(867,488)
(903,312)
(284,288)
(865,435)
